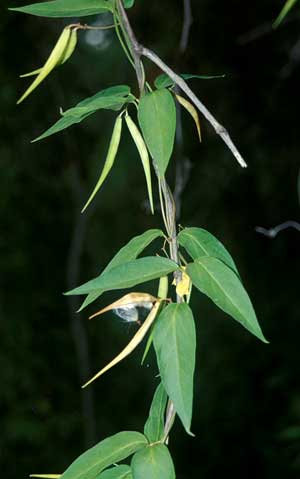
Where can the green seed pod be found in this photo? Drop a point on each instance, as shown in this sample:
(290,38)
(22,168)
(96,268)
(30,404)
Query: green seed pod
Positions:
(53,60)
(110,159)
(65,56)
(143,152)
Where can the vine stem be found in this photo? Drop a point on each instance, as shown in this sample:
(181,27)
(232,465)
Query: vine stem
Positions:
(169,211)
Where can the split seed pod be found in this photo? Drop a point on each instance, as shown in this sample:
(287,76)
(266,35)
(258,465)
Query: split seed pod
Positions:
(192,111)
(143,152)
(56,57)
(131,300)
(137,338)
(110,159)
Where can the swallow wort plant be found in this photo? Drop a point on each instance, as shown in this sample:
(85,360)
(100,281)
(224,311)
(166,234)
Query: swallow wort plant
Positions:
(196,260)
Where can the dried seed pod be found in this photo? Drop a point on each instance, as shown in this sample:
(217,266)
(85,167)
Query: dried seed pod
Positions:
(127,302)
(192,111)
(137,338)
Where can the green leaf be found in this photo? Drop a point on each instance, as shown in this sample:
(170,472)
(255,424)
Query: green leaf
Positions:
(107,452)
(199,242)
(128,275)
(175,344)
(67,8)
(128,3)
(112,98)
(213,278)
(110,159)
(117,472)
(157,118)
(154,427)
(164,81)
(153,462)
(129,252)
(289,4)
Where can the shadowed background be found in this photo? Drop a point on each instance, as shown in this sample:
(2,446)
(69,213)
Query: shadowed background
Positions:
(247,402)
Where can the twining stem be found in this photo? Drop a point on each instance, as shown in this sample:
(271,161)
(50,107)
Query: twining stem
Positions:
(167,201)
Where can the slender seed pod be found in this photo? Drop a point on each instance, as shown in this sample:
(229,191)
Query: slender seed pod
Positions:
(53,60)
(110,159)
(143,152)
(162,293)
(65,56)
(130,299)
(69,50)
(192,111)
(137,338)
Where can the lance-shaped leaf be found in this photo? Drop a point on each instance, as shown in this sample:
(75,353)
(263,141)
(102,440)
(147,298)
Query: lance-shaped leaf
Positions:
(131,299)
(153,462)
(110,159)
(154,427)
(175,345)
(107,452)
(164,81)
(117,472)
(192,111)
(157,119)
(129,252)
(143,152)
(137,338)
(67,8)
(71,45)
(112,98)
(129,274)
(53,60)
(199,242)
(289,4)
(213,278)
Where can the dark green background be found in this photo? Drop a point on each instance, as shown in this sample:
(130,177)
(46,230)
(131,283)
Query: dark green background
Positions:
(247,401)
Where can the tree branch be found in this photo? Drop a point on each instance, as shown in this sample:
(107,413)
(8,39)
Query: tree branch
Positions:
(219,129)
(186,26)
(139,50)
(273,232)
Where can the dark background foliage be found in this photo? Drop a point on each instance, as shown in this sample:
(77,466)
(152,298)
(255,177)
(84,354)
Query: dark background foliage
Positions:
(247,404)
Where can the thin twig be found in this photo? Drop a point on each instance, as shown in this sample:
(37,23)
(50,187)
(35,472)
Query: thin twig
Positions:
(273,232)
(219,129)
(186,26)
(183,164)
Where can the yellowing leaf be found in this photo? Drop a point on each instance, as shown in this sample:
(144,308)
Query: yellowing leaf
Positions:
(192,111)
(110,159)
(131,299)
(137,338)
(142,149)
(53,60)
